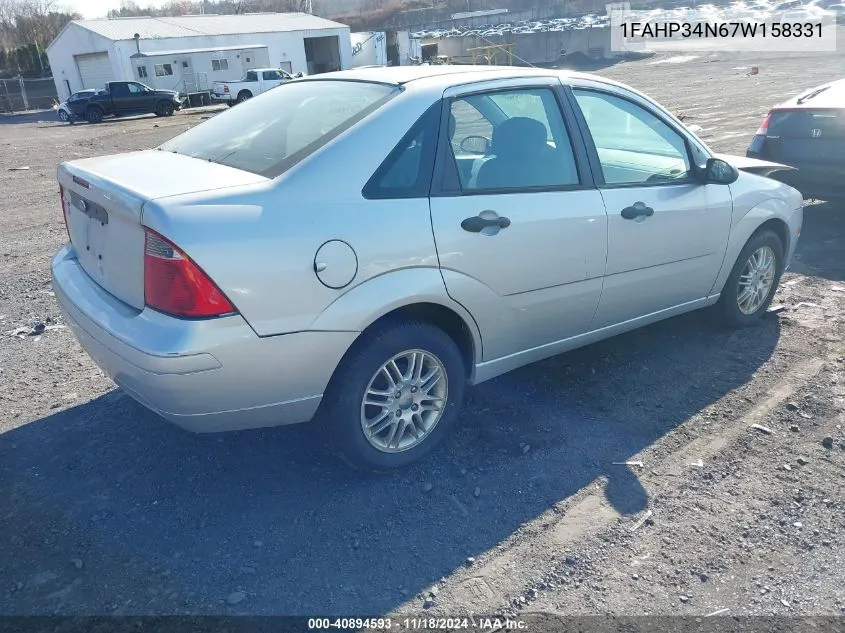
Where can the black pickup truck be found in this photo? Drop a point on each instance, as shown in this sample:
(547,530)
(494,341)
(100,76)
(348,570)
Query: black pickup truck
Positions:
(125,97)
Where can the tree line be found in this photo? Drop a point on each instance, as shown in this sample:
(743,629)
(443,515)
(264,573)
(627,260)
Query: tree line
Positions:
(26,28)
(132,8)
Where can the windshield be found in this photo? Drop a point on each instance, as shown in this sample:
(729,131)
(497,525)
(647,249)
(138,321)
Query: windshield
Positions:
(272,132)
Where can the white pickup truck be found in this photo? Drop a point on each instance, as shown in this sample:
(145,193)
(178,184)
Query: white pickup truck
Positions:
(255,82)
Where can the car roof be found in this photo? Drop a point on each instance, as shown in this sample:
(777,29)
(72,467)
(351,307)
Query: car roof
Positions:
(829,95)
(446,75)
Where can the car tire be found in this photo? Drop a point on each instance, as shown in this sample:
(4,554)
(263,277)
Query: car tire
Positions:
(164,108)
(94,115)
(361,373)
(243,95)
(63,117)
(757,271)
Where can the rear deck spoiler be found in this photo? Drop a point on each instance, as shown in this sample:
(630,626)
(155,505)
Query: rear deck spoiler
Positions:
(754,165)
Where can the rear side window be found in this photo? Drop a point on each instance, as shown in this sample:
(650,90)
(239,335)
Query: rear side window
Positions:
(272,132)
(407,170)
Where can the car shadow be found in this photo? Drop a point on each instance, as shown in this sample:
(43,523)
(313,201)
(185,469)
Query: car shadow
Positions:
(822,241)
(37,116)
(107,508)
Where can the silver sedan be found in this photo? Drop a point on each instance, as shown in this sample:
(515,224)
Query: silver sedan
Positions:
(358,247)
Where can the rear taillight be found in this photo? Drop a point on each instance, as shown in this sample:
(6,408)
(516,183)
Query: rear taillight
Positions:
(64,212)
(175,285)
(764,126)
(225,88)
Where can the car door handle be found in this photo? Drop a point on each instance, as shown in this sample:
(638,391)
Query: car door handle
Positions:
(637,210)
(476,223)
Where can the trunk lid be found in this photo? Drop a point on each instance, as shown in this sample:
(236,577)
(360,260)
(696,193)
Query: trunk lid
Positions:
(753,165)
(104,199)
(807,136)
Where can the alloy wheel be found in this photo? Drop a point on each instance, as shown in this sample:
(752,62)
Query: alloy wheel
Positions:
(755,280)
(404,401)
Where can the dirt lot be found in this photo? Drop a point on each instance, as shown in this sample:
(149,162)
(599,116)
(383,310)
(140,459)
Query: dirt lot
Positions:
(107,509)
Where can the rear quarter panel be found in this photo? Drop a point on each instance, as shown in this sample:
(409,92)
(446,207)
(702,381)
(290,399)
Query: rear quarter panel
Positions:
(259,242)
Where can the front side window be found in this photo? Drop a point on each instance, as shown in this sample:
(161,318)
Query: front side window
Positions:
(513,139)
(164,70)
(634,146)
(272,75)
(270,134)
(136,89)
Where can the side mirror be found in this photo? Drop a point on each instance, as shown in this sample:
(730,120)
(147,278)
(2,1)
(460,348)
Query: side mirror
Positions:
(719,172)
(298,75)
(475,145)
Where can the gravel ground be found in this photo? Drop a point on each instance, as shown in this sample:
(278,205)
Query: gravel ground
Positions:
(529,508)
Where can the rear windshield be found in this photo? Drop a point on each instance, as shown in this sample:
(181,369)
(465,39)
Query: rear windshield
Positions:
(272,132)
(828,124)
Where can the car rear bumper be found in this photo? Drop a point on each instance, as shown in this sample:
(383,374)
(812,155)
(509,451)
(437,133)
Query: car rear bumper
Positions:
(203,375)
(222,98)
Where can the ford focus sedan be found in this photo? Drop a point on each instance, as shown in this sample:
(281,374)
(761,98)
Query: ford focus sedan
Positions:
(354,249)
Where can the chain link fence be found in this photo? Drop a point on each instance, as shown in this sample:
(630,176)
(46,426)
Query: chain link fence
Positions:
(19,94)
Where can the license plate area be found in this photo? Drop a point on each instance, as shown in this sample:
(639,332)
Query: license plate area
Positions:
(91,209)
(90,236)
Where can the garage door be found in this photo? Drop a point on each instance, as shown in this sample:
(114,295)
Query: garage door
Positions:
(94,69)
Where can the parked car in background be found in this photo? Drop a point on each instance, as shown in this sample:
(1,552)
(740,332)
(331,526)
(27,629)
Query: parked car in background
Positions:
(838,11)
(807,133)
(122,98)
(64,112)
(358,248)
(254,83)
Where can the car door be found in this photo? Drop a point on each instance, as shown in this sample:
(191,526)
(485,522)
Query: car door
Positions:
(667,232)
(143,98)
(271,79)
(519,226)
(120,98)
(252,81)
(76,103)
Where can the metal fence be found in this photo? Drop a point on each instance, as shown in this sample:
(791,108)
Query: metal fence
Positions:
(21,94)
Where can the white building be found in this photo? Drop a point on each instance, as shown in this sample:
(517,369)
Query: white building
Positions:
(188,53)
(385,48)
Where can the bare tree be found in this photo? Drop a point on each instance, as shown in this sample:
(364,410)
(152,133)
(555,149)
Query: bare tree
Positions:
(27,22)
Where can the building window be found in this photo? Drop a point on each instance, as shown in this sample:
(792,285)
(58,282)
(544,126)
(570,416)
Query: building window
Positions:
(142,72)
(184,64)
(162,70)
(219,64)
